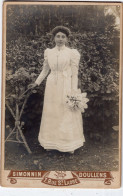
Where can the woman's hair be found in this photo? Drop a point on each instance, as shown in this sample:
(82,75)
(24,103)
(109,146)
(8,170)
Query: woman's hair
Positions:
(62,29)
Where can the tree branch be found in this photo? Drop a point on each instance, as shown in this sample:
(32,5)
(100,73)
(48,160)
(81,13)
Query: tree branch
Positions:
(11,111)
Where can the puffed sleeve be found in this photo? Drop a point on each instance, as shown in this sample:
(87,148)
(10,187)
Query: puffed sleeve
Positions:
(75,58)
(45,69)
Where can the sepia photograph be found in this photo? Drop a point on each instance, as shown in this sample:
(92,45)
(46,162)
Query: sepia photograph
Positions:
(62,69)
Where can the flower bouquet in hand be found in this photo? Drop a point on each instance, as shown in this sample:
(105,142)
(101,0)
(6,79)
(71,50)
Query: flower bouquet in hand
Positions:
(77,101)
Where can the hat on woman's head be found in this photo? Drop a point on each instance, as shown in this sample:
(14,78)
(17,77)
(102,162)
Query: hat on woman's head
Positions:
(62,29)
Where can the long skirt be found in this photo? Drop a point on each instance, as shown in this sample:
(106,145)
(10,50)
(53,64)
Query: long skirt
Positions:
(61,128)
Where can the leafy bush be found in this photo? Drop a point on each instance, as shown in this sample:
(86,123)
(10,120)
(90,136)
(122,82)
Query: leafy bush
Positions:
(98,71)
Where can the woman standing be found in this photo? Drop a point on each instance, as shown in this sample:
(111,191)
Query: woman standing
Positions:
(61,128)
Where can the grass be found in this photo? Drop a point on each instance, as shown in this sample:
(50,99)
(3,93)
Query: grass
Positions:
(95,155)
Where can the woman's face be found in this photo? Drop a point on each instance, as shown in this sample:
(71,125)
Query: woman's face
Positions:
(60,39)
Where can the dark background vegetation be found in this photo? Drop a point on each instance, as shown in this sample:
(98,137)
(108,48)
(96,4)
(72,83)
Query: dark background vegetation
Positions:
(96,36)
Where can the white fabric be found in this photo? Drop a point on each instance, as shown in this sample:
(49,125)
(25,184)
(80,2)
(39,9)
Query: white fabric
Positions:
(61,128)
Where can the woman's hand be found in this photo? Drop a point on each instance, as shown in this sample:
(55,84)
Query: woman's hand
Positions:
(31,86)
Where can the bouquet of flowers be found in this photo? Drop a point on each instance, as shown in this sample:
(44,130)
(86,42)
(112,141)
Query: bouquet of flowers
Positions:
(77,101)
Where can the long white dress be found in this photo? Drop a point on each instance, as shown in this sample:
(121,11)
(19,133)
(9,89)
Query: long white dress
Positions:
(61,128)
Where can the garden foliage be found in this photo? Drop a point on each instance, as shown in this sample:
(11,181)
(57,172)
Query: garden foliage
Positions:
(95,36)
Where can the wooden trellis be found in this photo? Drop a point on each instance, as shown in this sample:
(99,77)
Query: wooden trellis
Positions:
(16,134)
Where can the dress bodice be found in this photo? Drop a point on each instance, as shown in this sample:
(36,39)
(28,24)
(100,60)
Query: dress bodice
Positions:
(65,60)
(58,60)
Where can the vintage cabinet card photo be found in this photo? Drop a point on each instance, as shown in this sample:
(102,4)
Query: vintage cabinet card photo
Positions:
(61,95)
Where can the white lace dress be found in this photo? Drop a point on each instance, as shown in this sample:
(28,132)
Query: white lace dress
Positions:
(61,128)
